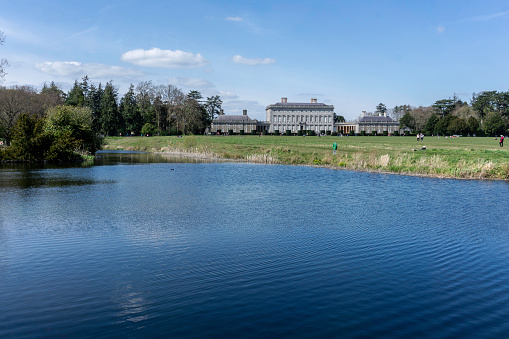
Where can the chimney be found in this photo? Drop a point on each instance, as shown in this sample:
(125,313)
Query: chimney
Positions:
(313,100)
(244,112)
(363,114)
(284,100)
(221,112)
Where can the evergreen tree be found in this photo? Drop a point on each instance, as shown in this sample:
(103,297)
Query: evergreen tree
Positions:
(130,112)
(110,119)
(75,97)
(213,105)
(473,125)
(431,123)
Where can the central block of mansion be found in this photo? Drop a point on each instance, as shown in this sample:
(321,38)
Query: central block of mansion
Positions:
(295,117)
(313,116)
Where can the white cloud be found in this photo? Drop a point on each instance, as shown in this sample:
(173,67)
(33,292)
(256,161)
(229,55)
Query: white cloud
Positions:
(227,95)
(74,68)
(191,83)
(252,62)
(440,29)
(234,18)
(156,57)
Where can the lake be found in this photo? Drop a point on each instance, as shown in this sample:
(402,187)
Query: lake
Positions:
(141,245)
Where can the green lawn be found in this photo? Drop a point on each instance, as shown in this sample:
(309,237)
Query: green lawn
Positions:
(444,157)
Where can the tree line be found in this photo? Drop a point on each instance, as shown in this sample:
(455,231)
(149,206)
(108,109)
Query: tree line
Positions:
(145,108)
(91,112)
(486,114)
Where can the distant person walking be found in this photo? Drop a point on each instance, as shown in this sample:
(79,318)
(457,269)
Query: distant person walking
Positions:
(334,148)
(422,137)
(501,141)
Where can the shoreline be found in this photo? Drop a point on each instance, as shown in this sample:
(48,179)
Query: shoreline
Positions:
(467,158)
(411,174)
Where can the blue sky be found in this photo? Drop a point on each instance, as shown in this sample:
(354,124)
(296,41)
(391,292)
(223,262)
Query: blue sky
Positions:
(351,54)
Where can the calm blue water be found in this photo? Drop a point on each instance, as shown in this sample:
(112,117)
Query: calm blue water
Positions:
(144,248)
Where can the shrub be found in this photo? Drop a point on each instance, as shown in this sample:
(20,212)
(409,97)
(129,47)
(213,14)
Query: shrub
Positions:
(363,133)
(253,132)
(265,132)
(329,132)
(385,133)
(288,132)
(276,132)
(148,129)
(241,132)
(230,132)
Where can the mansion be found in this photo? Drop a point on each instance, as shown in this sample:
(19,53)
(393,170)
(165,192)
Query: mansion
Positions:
(294,117)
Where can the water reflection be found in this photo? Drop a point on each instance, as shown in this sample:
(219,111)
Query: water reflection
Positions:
(107,157)
(243,250)
(40,178)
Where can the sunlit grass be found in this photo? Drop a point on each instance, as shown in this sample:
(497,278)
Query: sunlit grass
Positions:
(464,157)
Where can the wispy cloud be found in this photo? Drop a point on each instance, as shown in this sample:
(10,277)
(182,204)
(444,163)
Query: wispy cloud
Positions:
(252,61)
(484,17)
(91,29)
(191,83)
(234,18)
(74,68)
(160,58)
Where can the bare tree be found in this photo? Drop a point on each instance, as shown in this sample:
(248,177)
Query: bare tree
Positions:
(17,100)
(421,115)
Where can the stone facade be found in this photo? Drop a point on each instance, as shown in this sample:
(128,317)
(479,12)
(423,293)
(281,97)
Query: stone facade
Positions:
(236,123)
(376,123)
(296,117)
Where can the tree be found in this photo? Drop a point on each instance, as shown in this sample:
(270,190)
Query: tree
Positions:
(110,119)
(28,140)
(51,96)
(484,102)
(441,127)
(381,109)
(93,101)
(421,115)
(444,106)
(494,124)
(75,97)
(431,123)
(72,128)
(213,105)
(457,126)
(407,121)
(473,125)
(399,111)
(175,100)
(3,62)
(130,112)
(15,101)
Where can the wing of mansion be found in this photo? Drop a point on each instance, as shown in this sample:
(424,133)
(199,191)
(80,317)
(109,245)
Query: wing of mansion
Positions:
(298,118)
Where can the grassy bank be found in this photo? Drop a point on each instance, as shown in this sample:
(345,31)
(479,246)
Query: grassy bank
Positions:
(473,158)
